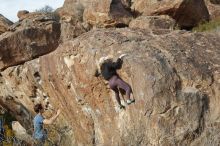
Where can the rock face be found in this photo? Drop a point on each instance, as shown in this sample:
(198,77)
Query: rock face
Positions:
(174,76)
(214,10)
(22,13)
(153,22)
(71,18)
(35,35)
(4,24)
(106,13)
(215,1)
(79,16)
(186,13)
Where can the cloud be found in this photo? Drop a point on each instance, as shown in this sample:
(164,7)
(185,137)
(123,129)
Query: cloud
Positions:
(9,8)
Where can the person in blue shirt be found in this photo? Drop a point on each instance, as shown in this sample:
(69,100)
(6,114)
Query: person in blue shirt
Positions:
(39,133)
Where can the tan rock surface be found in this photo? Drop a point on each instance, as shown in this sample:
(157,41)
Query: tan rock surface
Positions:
(4,24)
(107,13)
(34,36)
(22,13)
(214,10)
(186,13)
(215,1)
(174,76)
(85,14)
(153,22)
(99,13)
(71,19)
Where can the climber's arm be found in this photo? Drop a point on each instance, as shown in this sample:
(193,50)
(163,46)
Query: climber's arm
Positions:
(97,73)
(117,64)
(52,119)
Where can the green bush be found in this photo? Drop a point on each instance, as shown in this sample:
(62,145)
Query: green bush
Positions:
(208,26)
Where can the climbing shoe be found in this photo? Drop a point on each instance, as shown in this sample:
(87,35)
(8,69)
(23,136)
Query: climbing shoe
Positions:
(129,101)
(121,106)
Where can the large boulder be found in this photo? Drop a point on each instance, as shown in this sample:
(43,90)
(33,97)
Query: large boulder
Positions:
(107,13)
(22,13)
(21,133)
(71,19)
(80,16)
(4,24)
(215,1)
(153,22)
(187,13)
(174,77)
(71,24)
(36,35)
(214,10)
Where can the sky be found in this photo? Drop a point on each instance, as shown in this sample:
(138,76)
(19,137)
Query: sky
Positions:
(9,8)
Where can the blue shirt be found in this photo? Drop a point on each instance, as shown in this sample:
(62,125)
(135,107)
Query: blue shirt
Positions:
(38,127)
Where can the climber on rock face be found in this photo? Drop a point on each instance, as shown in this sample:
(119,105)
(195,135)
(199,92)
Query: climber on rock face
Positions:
(107,68)
(39,133)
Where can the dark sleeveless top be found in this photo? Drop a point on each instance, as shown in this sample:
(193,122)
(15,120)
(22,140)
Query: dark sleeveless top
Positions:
(108,69)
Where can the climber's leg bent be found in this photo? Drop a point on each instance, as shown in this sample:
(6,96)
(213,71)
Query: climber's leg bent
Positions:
(113,86)
(127,88)
(118,98)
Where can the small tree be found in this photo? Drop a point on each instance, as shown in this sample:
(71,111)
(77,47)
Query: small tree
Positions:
(45,9)
(49,10)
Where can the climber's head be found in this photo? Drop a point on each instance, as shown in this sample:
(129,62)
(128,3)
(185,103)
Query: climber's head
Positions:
(38,108)
(105,59)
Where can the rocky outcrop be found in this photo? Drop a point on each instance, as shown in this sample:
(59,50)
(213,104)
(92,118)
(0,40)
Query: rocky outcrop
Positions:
(107,13)
(22,13)
(174,76)
(153,22)
(214,10)
(4,24)
(186,13)
(79,16)
(215,1)
(37,34)
(71,19)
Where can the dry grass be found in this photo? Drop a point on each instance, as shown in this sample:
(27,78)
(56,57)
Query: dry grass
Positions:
(212,25)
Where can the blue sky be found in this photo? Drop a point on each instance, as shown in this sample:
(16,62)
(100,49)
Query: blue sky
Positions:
(9,8)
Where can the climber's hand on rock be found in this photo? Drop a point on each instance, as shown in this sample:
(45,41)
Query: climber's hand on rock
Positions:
(58,111)
(97,73)
(122,56)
